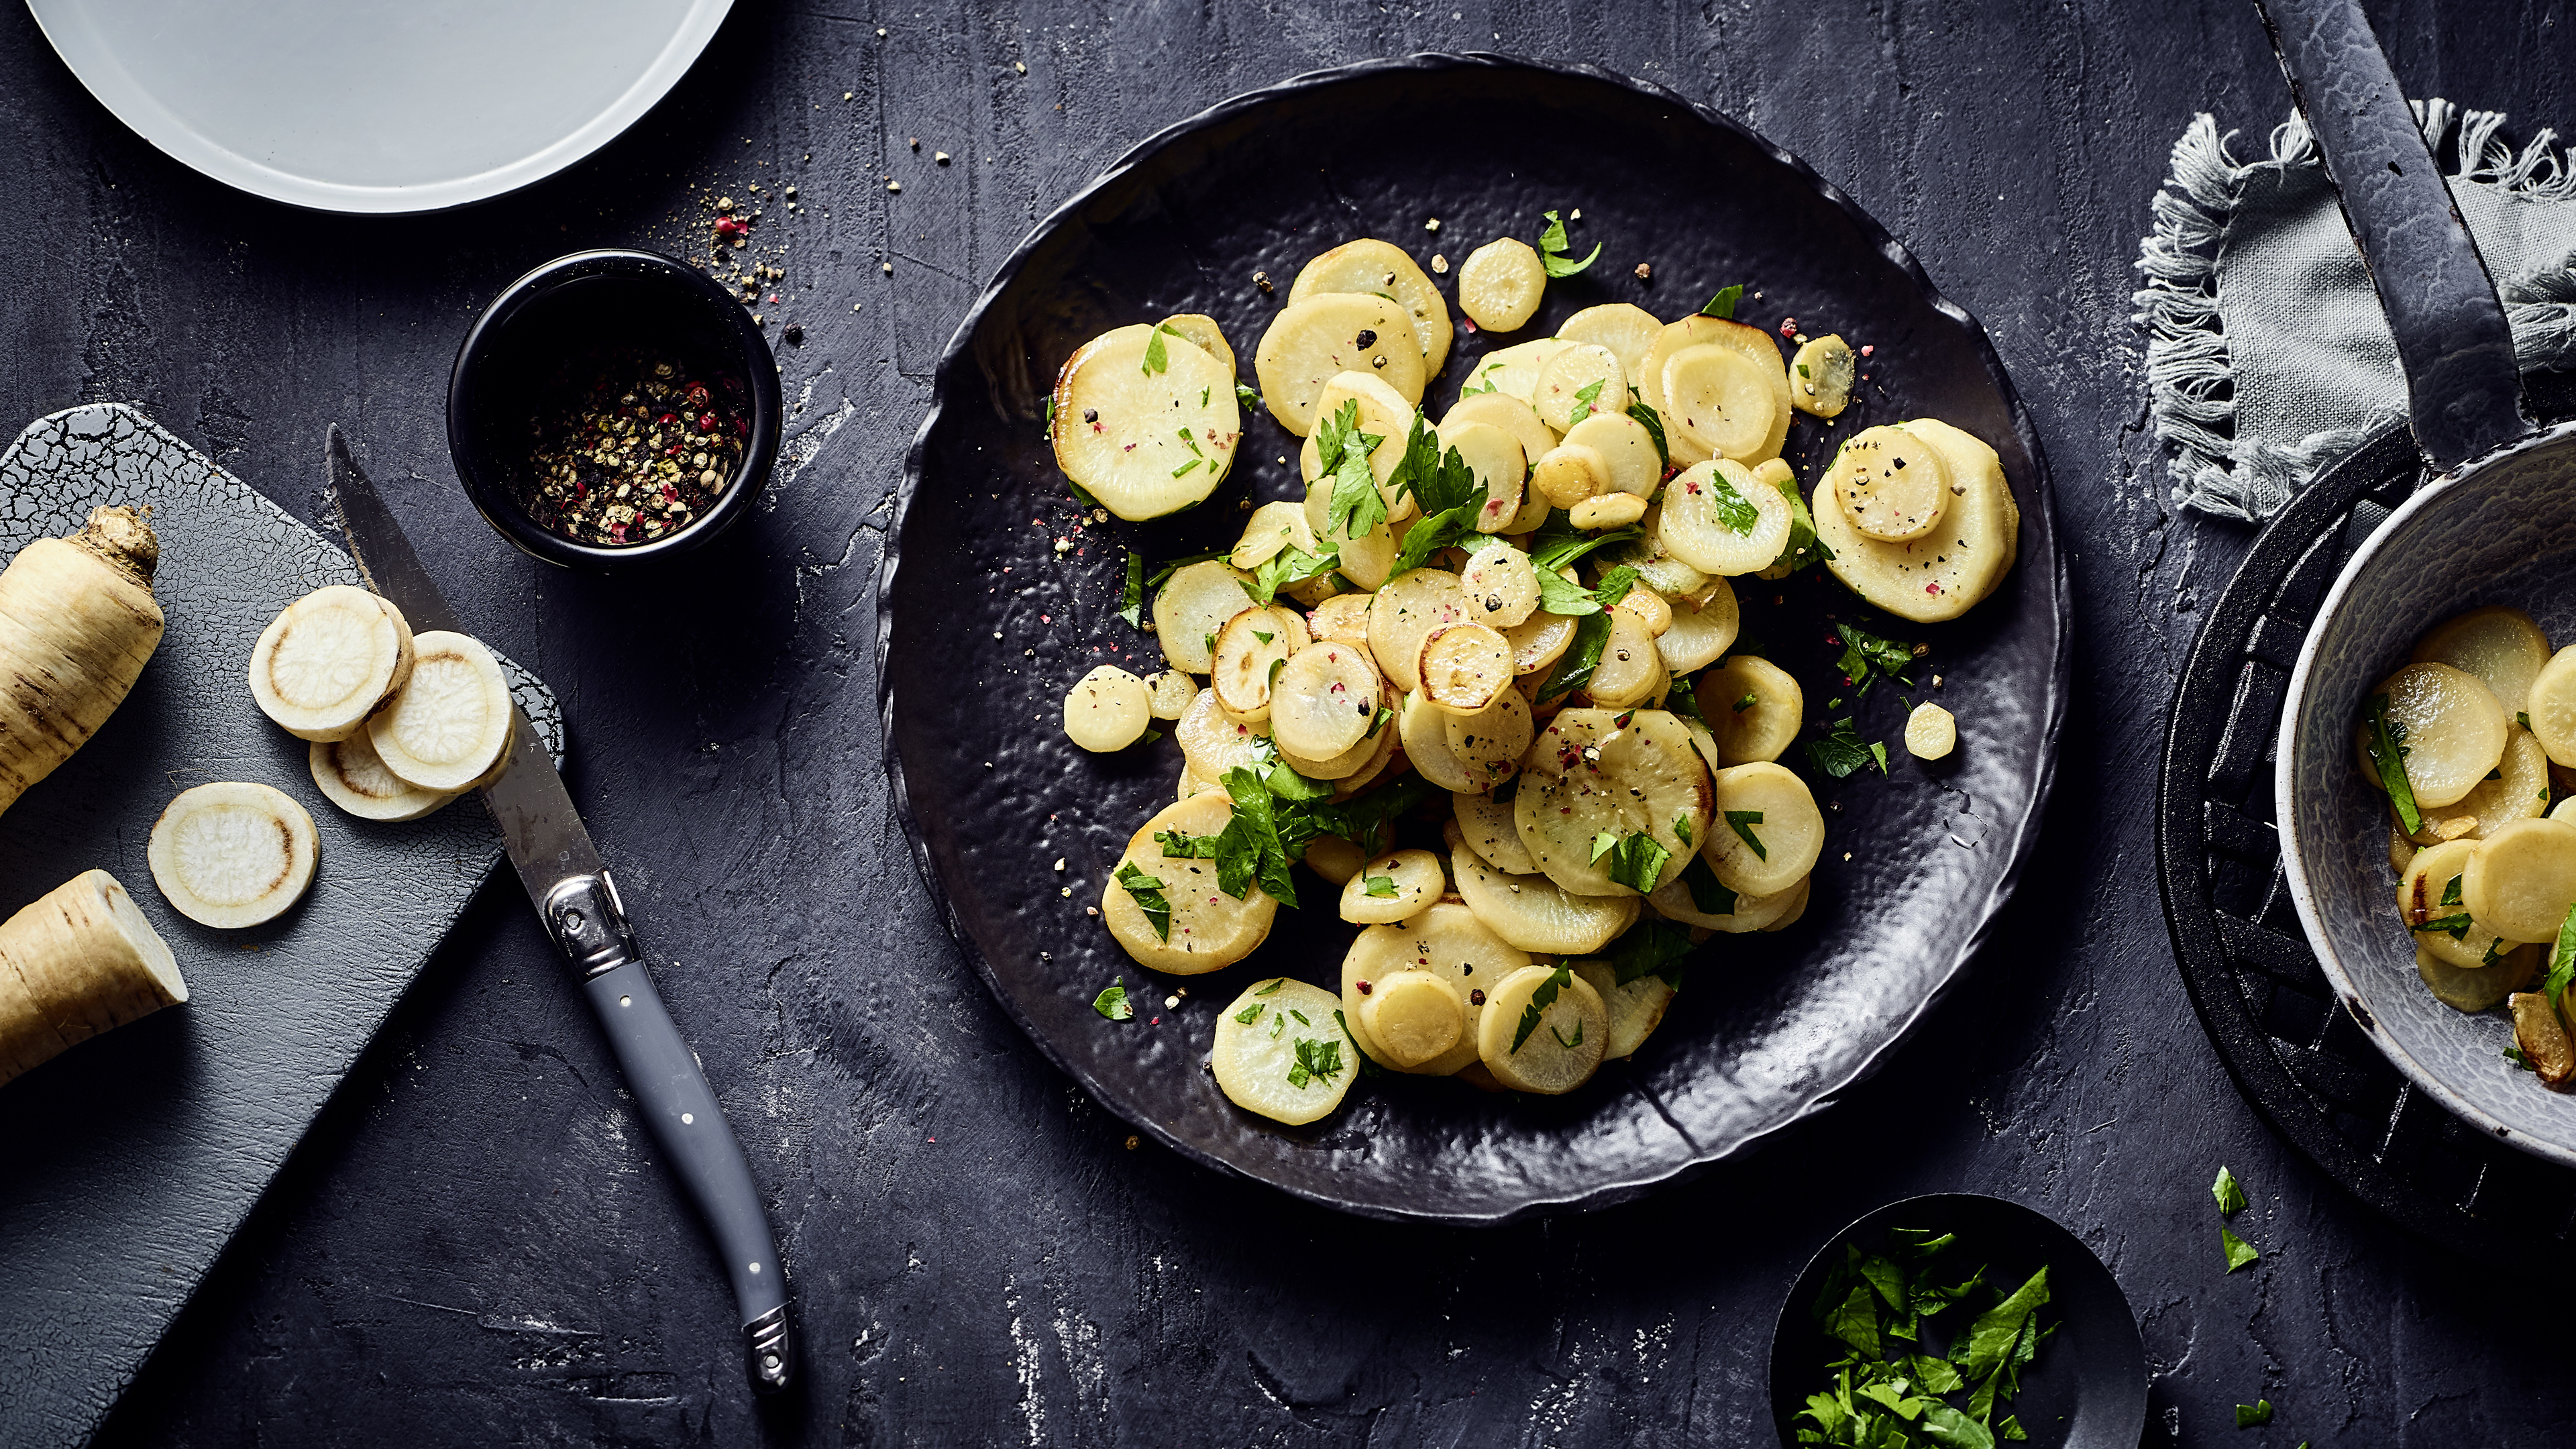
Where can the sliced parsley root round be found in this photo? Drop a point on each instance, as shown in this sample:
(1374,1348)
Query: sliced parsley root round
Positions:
(1636,1009)
(1313,341)
(328,660)
(233,853)
(1753,708)
(1720,520)
(1612,804)
(1487,745)
(1631,670)
(1171,913)
(1501,409)
(1415,1017)
(1679,902)
(2502,647)
(1463,666)
(1698,637)
(1214,744)
(1501,585)
(2449,730)
(1107,709)
(2520,881)
(1892,485)
(1535,913)
(2477,988)
(1767,832)
(1544,1031)
(1825,370)
(1404,613)
(449,727)
(1191,606)
(2552,707)
(1945,572)
(1325,700)
(1281,1052)
(1370,265)
(1579,382)
(1624,327)
(1500,285)
(1146,421)
(1250,647)
(352,776)
(1392,888)
(1446,939)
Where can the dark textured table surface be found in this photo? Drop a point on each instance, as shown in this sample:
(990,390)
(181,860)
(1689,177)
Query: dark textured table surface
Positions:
(475,1245)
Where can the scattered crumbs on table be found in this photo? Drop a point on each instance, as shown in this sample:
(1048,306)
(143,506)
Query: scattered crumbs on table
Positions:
(1132,1142)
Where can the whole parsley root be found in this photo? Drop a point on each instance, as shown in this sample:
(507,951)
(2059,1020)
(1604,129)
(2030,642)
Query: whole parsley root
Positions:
(76,963)
(77,624)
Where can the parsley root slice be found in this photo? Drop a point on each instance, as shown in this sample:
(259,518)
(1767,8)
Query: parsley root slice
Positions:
(77,624)
(1945,572)
(2516,789)
(1719,519)
(449,727)
(1765,803)
(1390,888)
(1931,732)
(1311,342)
(1892,485)
(329,660)
(1404,613)
(1674,902)
(1593,772)
(1570,475)
(1272,527)
(2502,647)
(1488,744)
(1250,648)
(2450,732)
(1539,641)
(1207,930)
(1353,769)
(1281,1053)
(1719,398)
(1415,1016)
(1821,377)
(1501,585)
(1495,458)
(1753,708)
(1501,284)
(1583,381)
(2478,988)
(1544,1031)
(1423,730)
(1370,265)
(1699,637)
(79,961)
(1446,939)
(1191,606)
(352,776)
(233,853)
(1624,327)
(1463,667)
(2520,881)
(1107,709)
(1385,415)
(1325,700)
(1513,371)
(1626,449)
(1501,409)
(1485,827)
(1214,744)
(1146,440)
(1202,331)
(1636,1009)
(1535,913)
(1631,671)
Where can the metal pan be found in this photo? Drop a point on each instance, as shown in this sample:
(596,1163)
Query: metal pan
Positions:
(2490,526)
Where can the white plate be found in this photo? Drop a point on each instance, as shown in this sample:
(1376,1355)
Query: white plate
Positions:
(366,106)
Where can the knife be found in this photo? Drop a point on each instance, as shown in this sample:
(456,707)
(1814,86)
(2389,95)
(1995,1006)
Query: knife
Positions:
(578,903)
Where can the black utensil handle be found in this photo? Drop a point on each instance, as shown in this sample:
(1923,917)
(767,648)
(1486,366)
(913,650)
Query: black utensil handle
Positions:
(2463,392)
(689,1128)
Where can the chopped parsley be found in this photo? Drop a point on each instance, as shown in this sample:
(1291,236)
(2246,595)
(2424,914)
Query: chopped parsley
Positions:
(1181,845)
(1291,566)
(2254,1415)
(1733,509)
(1378,885)
(1636,862)
(2386,745)
(1558,544)
(1148,895)
(1540,1000)
(1747,702)
(1112,1001)
(2230,1194)
(1722,306)
(1171,566)
(1709,895)
(1157,358)
(1742,823)
(1682,830)
(1863,650)
(1252,1013)
(1653,422)
(1651,948)
(2562,962)
(1317,1061)
(1888,1388)
(1558,595)
(1560,1036)
(1131,602)
(1574,670)
(1342,454)
(1186,467)
(1590,395)
(1273,988)
(2455,926)
(1841,751)
(1246,397)
(1189,442)
(1804,547)
(2239,1252)
(1552,248)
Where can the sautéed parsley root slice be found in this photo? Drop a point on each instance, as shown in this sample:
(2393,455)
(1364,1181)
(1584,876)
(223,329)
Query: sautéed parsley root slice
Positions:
(1281,1051)
(1921,1348)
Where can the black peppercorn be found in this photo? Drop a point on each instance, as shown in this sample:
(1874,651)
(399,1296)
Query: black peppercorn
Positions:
(1091,415)
(1476,998)
(795,335)
(1367,337)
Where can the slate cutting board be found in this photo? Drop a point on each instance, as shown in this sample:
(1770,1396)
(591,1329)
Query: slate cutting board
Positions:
(127,1162)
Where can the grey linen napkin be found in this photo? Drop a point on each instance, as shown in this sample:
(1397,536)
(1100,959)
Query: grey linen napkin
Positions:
(2267,355)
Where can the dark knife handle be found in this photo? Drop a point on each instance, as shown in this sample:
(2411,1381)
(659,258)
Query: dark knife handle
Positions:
(689,1127)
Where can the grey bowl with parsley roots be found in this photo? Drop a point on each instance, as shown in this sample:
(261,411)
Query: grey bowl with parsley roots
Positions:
(581,304)
(2081,1381)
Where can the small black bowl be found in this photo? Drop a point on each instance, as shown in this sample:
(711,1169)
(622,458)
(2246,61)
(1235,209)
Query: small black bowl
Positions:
(591,300)
(2088,1387)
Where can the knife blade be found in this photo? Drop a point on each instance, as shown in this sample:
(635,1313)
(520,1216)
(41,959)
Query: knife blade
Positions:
(577,900)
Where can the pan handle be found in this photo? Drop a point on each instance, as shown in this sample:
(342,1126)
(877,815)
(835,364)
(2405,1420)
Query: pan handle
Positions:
(2463,391)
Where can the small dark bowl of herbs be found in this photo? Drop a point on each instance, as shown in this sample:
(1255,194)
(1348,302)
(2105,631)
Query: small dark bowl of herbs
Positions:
(1960,1321)
(612,407)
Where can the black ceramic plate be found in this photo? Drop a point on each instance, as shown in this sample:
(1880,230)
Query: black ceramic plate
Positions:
(2087,1389)
(984,622)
